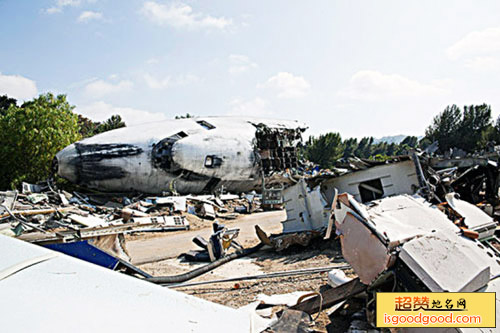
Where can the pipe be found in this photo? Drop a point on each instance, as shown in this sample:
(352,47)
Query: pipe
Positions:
(304,271)
(207,268)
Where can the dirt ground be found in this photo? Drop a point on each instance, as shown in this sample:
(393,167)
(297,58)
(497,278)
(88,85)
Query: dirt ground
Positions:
(153,247)
(239,293)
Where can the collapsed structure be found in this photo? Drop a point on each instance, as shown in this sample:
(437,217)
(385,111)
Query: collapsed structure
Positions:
(308,202)
(402,225)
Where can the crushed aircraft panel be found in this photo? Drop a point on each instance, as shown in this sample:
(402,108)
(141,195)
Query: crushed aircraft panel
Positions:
(366,253)
(443,262)
(305,209)
(418,234)
(72,294)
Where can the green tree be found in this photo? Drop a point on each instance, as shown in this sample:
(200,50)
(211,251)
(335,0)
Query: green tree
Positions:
(31,135)
(445,127)
(5,103)
(185,116)
(391,149)
(87,127)
(364,147)
(378,149)
(411,141)
(113,122)
(467,130)
(492,133)
(424,143)
(90,128)
(350,146)
(325,149)
(475,123)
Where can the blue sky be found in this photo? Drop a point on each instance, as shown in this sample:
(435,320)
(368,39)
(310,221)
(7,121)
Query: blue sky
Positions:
(362,68)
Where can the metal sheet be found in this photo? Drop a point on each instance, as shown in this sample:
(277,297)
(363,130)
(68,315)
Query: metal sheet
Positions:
(396,178)
(367,255)
(403,217)
(475,218)
(67,294)
(306,209)
(85,251)
(443,263)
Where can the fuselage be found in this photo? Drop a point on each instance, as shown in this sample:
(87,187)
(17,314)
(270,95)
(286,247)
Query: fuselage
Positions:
(193,155)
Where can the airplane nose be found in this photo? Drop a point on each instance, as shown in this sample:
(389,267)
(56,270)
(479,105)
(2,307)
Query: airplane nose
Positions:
(64,163)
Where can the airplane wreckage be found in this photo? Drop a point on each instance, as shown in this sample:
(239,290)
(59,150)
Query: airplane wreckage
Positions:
(185,156)
(418,222)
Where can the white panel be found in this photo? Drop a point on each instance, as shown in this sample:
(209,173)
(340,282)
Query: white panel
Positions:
(70,295)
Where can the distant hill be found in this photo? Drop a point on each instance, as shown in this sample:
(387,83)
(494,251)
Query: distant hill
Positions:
(391,139)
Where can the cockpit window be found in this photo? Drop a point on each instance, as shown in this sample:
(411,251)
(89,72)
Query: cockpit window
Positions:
(212,161)
(162,151)
(205,125)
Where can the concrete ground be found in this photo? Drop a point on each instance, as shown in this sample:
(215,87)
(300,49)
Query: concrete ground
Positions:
(168,245)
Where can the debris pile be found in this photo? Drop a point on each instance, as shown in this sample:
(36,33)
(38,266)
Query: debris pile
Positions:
(42,214)
(217,245)
(78,224)
(417,223)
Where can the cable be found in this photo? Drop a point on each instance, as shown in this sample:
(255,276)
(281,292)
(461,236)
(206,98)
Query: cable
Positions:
(202,270)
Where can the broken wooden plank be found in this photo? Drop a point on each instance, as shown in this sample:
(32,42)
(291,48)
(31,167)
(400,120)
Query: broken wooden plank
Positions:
(38,211)
(331,297)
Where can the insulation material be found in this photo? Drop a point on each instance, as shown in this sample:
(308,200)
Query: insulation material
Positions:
(88,221)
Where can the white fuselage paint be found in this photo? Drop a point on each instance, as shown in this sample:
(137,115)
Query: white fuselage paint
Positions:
(232,140)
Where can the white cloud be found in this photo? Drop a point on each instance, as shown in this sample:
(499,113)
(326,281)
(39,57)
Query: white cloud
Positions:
(477,42)
(153,61)
(64,3)
(287,85)
(53,10)
(186,79)
(256,107)
(155,83)
(180,16)
(59,5)
(479,50)
(240,63)
(486,63)
(371,85)
(100,111)
(101,88)
(18,87)
(88,15)
(169,81)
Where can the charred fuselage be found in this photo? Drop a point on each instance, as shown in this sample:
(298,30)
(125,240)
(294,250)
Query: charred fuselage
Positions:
(195,155)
